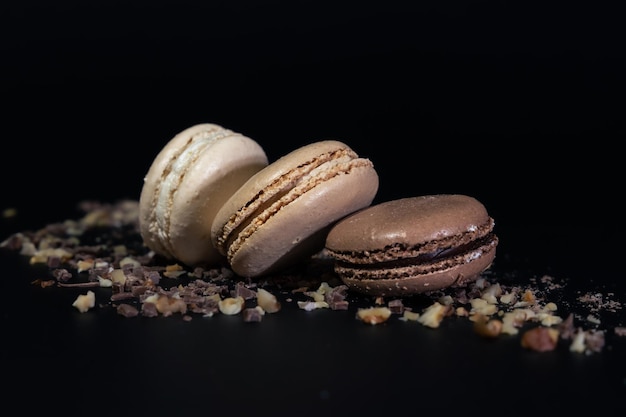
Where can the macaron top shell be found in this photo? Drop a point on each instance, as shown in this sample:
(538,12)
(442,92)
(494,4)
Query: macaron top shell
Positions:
(410,226)
(189,180)
(279,214)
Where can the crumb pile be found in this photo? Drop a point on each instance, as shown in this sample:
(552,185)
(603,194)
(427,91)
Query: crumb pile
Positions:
(103,249)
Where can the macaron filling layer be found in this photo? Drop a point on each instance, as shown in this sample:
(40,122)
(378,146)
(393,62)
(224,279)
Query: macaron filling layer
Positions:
(285,190)
(173,176)
(422,263)
(417,253)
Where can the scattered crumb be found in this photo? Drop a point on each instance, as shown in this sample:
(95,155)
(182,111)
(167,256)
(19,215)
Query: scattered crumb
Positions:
(253,314)
(231,305)
(127,310)
(433,315)
(267,301)
(103,250)
(541,339)
(409,316)
(487,327)
(374,315)
(85,302)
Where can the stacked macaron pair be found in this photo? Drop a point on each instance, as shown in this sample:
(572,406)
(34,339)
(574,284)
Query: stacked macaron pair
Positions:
(211,196)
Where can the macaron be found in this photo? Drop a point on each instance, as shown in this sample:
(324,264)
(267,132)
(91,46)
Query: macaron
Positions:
(188,182)
(413,245)
(282,213)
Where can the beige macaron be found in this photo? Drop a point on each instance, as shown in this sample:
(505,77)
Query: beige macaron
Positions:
(282,213)
(186,185)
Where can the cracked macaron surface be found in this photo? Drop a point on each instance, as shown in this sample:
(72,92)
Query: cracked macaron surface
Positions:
(189,180)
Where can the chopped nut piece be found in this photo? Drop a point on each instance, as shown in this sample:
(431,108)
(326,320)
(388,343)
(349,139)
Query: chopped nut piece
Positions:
(486,327)
(129,261)
(267,301)
(549,319)
(174,267)
(169,305)
(551,306)
(492,293)
(529,297)
(373,315)
(312,305)
(578,342)
(252,314)
(540,339)
(85,301)
(104,282)
(507,298)
(461,312)
(127,310)
(482,306)
(43,255)
(231,305)
(84,265)
(118,276)
(433,315)
(514,319)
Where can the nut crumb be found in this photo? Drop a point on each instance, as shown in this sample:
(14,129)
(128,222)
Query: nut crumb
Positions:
(374,315)
(267,301)
(84,302)
(487,327)
(231,305)
(433,315)
(540,339)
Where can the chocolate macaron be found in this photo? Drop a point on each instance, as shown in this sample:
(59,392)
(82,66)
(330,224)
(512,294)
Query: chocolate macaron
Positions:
(283,212)
(413,245)
(187,183)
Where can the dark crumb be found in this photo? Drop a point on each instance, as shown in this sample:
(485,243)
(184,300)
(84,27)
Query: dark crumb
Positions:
(396,306)
(127,310)
(251,314)
(104,249)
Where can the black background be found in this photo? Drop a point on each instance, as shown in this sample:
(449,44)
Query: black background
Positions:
(519,104)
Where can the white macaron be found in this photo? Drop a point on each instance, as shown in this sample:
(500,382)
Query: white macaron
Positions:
(188,182)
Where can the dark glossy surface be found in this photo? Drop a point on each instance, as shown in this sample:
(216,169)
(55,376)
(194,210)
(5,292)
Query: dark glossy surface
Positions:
(302,362)
(514,105)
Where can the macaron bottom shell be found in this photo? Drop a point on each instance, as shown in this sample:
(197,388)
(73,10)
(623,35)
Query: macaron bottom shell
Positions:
(419,278)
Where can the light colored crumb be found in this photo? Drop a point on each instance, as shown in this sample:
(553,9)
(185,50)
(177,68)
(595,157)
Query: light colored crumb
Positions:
(267,301)
(374,315)
(84,302)
(433,315)
(231,305)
